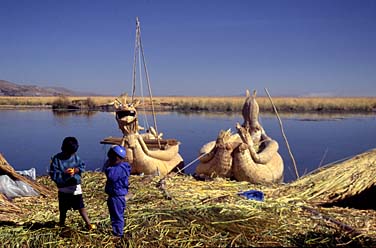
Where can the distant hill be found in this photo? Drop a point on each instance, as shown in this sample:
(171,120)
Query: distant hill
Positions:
(13,89)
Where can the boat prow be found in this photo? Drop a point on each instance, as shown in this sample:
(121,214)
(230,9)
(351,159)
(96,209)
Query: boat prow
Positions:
(149,156)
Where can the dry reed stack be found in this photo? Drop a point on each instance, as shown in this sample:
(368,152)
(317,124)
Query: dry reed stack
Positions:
(337,184)
(10,211)
(7,169)
(178,210)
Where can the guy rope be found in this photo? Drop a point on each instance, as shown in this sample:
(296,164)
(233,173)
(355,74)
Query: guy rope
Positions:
(140,58)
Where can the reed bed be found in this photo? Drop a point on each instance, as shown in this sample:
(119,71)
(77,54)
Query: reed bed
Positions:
(284,104)
(48,101)
(179,210)
(218,104)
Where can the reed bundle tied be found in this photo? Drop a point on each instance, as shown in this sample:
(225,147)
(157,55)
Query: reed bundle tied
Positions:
(179,210)
(336,182)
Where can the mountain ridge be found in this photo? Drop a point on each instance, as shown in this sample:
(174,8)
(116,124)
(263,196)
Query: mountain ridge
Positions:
(12,89)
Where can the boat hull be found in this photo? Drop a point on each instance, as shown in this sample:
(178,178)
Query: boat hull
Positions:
(149,157)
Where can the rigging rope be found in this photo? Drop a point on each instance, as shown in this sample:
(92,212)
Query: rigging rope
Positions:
(141,48)
(192,162)
(149,87)
(146,124)
(134,60)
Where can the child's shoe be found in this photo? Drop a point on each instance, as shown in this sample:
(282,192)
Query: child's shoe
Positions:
(116,239)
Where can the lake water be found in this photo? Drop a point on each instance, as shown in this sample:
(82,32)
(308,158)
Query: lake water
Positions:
(30,137)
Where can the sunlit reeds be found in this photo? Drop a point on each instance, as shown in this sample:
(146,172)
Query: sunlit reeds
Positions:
(209,214)
(283,104)
(47,101)
(219,104)
(179,210)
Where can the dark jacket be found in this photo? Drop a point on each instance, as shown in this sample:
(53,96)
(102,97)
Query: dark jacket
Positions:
(59,163)
(117,179)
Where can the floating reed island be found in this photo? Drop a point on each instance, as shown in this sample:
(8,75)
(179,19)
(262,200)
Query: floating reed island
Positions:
(205,103)
(333,206)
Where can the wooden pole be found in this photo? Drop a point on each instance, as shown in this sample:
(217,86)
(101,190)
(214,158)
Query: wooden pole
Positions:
(148,80)
(283,134)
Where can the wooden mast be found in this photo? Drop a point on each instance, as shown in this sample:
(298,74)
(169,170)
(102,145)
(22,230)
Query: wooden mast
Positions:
(139,51)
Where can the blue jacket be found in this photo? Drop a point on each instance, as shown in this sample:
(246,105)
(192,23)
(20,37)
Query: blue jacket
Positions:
(117,179)
(59,164)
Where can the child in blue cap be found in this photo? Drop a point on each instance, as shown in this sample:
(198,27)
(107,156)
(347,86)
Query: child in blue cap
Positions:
(65,170)
(117,172)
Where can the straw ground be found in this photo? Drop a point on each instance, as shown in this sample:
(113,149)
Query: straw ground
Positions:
(179,210)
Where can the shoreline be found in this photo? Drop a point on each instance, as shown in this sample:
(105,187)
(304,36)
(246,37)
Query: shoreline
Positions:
(198,111)
(314,105)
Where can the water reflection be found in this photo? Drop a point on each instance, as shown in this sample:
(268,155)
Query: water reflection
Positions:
(72,112)
(320,116)
(209,114)
(307,116)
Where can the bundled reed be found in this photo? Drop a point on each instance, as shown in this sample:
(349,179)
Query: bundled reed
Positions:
(7,169)
(8,210)
(335,182)
(179,210)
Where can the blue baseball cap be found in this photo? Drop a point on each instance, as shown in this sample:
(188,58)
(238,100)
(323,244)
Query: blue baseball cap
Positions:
(120,151)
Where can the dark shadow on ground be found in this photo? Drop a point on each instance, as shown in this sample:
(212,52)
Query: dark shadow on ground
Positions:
(39,225)
(317,239)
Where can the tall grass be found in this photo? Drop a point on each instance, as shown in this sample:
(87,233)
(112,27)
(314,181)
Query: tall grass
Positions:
(283,104)
(47,101)
(220,104)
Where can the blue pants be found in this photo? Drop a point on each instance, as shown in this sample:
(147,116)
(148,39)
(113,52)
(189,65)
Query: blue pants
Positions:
(116,206)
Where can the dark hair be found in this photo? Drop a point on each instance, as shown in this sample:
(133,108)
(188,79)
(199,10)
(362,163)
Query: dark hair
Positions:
(111,154)
(70,145)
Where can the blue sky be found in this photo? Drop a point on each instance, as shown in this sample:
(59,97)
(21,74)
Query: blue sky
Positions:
(195,47)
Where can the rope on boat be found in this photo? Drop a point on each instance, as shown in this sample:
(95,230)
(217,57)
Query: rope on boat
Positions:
(185,167)
(134,62)
(139,49)
(146,123)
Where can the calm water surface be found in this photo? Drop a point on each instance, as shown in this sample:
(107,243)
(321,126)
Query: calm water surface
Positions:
(30,138)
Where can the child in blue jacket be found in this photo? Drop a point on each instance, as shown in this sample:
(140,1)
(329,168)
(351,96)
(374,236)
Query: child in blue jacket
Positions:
(65,170)
(117,172)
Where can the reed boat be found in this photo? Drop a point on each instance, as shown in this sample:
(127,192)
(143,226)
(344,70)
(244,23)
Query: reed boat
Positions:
(147,152)
(249,155)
